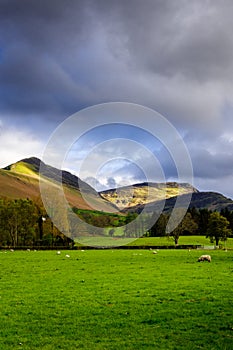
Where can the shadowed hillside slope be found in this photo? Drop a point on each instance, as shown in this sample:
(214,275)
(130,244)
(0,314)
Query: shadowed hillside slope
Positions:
(200,200)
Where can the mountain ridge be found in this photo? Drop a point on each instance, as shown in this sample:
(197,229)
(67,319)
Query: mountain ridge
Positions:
(21,180)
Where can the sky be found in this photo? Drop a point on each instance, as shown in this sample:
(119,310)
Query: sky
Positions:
(173,56)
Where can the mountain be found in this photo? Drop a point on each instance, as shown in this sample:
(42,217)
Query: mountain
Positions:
(209,200)
(146,192)
(134,198)
(21,180)
(200,200)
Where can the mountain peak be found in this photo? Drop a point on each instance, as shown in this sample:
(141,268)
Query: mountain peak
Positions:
(32,160)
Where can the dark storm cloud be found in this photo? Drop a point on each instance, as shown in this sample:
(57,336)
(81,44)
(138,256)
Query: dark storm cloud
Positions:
(213,166)
(36,37)
(175,56)
(59,56)
(170,37)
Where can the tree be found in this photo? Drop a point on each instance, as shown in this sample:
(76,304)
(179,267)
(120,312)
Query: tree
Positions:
(5,238)
(187,225)
(18,222)
(218,228)
(159,228)
(22,224)
(204,216)
(195,214)
(229,216)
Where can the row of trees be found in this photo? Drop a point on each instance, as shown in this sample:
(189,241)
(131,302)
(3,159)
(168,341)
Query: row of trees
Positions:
(214,225)
(25,223)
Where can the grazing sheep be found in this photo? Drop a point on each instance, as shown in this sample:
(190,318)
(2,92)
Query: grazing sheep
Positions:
(204,258)
(154,252)
(58,253)
(67,256)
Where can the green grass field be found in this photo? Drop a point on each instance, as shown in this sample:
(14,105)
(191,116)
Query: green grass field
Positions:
(186,240)
(116,299)
(149,241)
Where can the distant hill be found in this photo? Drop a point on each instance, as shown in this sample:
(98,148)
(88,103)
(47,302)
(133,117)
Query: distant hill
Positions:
(200,200)
(146,192)
(21,180)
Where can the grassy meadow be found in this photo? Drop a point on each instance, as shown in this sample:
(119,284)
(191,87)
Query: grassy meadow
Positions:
(149,241)
(116,299)
(183,240)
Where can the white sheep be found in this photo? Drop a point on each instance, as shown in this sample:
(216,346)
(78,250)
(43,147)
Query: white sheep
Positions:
(67,256)
(58,252)
(154,252)
(205,258)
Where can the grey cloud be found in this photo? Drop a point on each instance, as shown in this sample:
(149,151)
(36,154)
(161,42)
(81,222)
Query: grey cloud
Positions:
(111,182)
(174,56)
(43,24)
(212,166)
(64,55)
(170,37)
(37,39)
(97,185)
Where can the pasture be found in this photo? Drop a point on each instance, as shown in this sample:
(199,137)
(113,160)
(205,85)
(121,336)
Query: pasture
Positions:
(149,241)
(116,299)
(186,240)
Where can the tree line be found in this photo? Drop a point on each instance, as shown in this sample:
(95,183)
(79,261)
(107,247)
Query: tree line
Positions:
(217,226)
(25,223)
